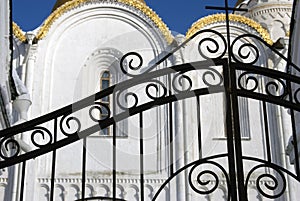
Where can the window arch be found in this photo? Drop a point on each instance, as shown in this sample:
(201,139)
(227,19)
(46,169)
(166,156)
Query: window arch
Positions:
(100,71)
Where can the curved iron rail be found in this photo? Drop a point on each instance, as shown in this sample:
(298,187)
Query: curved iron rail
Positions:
(61,115)
(7,134)
(215,57)
(277,178)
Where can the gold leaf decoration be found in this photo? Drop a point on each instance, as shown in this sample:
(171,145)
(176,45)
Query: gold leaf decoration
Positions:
(137,4)
(201,23)
(18,33)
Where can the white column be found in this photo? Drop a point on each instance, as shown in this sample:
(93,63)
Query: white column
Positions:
(4,38)
(30,63)
(179,139)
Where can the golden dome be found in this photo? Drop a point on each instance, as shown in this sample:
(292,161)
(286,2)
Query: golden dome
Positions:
(63,6)
(211,19)
(61,2)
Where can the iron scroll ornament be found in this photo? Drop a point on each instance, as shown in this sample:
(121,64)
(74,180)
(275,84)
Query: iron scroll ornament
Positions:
(127,100)
(133,61)
(12,147)
(278,190)
(204,183)
(70,125)
(180,82)
(193,166)
(241,57)
(8,140)
(274,87)
(296,96)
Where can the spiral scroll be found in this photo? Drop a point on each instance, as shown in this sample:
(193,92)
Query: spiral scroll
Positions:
(126,67)
(205,184)
(182,83)
(296,96)
(212,47)
(271,189)
(279,87)
(156,85)
(274,87)
(10,146)
(102,109)
(123,101)
(244,51)
(44,133)
(66,121)
(245,78)
(215,75)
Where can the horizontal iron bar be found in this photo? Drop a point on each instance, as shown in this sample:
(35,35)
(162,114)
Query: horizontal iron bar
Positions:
(266,72)
(224,8)
(268,98)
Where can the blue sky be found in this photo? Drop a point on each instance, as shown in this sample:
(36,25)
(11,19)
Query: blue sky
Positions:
(177,14)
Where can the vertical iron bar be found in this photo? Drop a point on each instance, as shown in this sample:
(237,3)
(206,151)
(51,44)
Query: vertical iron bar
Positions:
(114,163)
(22,181)
(289,88)
(235,115)
(294,131)
(53,162)
(229,135)
(292,113)
(83,176)
(199,128)
(230,106)
(292,26)
(114,190)
(171,150)
(295,143)
(267,132)
(171,139)
(237,137)
(141,157)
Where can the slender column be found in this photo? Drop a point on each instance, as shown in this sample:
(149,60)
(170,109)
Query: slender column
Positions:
(30,63)
(179,135)
(24,104)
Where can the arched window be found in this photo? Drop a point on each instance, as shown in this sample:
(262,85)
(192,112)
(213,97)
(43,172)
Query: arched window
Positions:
(101,70)
(104,84)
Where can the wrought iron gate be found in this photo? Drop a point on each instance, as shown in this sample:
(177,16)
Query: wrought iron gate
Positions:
(237,76)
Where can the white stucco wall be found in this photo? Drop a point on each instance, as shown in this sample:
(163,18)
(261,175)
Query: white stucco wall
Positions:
(66,65)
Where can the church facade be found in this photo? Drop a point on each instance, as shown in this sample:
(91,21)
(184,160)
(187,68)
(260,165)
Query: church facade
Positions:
(178,149)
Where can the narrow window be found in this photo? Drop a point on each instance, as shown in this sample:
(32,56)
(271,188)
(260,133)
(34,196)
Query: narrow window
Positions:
(104,84)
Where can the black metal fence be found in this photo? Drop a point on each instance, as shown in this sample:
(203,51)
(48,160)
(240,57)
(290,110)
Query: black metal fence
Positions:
(235,75)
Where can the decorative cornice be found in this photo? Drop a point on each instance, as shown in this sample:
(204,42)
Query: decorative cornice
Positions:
(211,19)
(18,33)
(259,11)
(133,3)
(129,180)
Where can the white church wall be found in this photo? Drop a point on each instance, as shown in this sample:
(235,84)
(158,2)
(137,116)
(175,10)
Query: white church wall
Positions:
(88,40)
(213,122)
(255,144)
(67,63)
